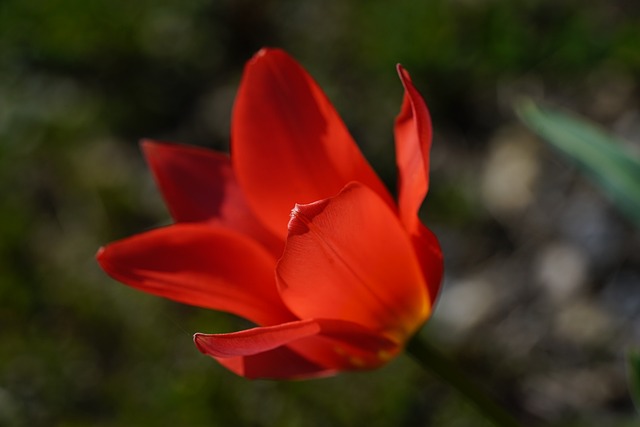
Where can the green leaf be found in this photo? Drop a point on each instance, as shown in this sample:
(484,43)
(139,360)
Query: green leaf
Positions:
(602,157)
(633,361)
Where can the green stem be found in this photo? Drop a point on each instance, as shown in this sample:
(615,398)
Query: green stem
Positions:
(431,359)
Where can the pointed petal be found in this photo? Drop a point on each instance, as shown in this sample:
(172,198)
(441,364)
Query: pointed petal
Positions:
(313,347)
(256,340)
(199,185)
(288,144)
(413,144)
(349,257)
(201,265)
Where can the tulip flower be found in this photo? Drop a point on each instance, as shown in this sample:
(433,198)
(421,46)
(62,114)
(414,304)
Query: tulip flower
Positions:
(294,232)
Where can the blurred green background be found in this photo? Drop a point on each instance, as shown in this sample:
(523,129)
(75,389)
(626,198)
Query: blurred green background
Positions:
(542,291)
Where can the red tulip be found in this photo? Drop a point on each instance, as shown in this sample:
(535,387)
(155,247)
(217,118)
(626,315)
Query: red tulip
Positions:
(339,282)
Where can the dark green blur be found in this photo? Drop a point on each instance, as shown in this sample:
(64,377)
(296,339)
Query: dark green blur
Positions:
(542,292)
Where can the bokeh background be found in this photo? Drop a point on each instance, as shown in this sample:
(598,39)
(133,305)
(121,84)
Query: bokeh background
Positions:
(542,292)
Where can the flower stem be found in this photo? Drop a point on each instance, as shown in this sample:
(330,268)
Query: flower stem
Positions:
(431,359)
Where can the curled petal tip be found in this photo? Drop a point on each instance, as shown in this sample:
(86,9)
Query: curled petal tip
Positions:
(100,253)
(147,144)
(103,256)
(296,209)
(301,215)
(403,74)
(264,52)
(197,340)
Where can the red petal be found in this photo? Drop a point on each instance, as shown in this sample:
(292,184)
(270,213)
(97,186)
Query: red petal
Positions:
(201,265)
(261,352)
(288,143)
(256,340)
(431,261)
(413,143)
(349,257)
(280,363)
(199,185)
(313,347)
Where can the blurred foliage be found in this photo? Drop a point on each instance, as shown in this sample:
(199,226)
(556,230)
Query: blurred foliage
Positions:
(634,376)
(606,160)
(542,276)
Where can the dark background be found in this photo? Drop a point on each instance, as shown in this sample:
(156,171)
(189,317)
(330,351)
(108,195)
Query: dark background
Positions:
(542,292)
